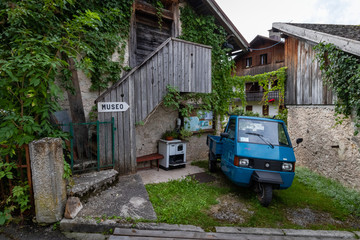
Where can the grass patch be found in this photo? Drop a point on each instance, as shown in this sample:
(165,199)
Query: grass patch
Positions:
(203,164)
(188,202)
(347,199)
(184,201)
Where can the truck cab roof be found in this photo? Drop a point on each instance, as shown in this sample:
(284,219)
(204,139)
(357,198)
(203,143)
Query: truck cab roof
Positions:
(257,118)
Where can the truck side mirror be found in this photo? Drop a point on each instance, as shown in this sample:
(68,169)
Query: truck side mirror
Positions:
(299,140)
(224,135)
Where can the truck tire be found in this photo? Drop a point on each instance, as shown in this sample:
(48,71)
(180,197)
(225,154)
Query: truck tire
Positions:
(212,162)
(264,194)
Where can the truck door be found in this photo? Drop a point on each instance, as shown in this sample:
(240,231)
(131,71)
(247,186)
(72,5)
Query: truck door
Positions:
(227,157)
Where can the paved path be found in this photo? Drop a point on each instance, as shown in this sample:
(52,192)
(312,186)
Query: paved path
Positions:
(128,198)
(154,176)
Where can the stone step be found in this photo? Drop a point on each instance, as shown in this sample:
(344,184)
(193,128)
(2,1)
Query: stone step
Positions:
(92,182)
(83,165)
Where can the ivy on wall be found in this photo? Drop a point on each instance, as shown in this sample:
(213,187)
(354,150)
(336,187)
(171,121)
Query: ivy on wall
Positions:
(203,29)
(269,81)
(341,72)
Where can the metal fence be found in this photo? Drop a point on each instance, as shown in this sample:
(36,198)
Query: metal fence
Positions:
(91,145)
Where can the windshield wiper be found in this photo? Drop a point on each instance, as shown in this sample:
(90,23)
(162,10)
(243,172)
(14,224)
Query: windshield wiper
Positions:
(262,138)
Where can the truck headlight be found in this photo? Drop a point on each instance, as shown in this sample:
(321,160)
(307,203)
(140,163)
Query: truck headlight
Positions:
(241,162)
(288,167)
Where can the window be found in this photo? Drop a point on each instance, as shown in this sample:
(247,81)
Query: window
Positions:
(248,62)
(252,87)
(274,83)
(249,108)
(262,132)
(231,128)
(263,59)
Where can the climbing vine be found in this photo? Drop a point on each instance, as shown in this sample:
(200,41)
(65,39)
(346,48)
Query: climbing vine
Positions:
(269,81)
(159,10)
(203,29)
(341,72)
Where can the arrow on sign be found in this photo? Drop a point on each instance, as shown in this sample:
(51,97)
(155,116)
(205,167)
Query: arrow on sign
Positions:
(112,106)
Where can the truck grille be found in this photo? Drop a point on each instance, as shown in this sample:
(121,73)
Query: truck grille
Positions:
(265,164)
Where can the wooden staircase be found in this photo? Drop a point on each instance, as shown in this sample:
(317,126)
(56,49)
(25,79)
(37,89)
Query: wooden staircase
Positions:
(178,63)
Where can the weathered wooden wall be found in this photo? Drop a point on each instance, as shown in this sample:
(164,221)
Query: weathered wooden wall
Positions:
(178,63)
(147,31)
(275,59)
(304,85)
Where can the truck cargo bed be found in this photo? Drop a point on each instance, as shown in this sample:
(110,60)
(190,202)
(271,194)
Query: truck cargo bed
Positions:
(214,143)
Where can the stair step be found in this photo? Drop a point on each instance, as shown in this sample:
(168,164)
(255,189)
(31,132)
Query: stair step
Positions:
(91,182)
(83,165)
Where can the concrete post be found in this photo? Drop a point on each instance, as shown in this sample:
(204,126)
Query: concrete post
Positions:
(47,167)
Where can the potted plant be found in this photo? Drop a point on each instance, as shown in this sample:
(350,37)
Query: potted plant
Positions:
(185,134)
(170,135)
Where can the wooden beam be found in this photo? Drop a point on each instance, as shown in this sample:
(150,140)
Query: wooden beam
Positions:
(147,8)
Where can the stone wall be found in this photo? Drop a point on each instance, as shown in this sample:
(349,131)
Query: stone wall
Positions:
(160,120)
(89,97)
(197,148)
(151,130)
(328,149)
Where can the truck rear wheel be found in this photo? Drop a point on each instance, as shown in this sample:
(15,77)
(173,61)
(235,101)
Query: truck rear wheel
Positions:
(264,194)
(212,162)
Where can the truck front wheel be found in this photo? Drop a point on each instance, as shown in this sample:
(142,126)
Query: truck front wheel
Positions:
(264,194)
(212,162)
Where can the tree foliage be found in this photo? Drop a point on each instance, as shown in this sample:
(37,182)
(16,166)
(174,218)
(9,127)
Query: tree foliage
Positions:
(341,72)
(36,39)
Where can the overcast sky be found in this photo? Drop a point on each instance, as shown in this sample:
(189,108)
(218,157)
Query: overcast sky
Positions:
(255,17)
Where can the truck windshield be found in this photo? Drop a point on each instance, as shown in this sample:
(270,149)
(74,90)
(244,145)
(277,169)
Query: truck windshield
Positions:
(262,132)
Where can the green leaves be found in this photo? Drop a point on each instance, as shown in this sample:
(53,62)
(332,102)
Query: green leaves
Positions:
(5,169)
(204,30)
(35,38)
(341,72)
(270,81)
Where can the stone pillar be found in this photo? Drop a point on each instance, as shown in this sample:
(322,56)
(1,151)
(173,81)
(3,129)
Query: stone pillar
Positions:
(47,167)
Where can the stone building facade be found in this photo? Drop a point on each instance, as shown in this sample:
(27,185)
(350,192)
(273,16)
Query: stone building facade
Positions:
(328,148)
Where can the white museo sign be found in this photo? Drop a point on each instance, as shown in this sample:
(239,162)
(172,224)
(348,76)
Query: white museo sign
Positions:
(112,106)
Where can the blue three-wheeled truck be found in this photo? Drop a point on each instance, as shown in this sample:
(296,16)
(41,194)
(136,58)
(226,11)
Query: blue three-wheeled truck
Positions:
(254,152)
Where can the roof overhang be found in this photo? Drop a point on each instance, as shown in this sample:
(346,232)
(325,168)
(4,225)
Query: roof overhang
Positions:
(344,44)
(210,7)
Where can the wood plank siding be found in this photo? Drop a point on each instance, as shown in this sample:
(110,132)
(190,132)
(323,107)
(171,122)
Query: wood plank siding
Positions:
(178,63)
(304,85)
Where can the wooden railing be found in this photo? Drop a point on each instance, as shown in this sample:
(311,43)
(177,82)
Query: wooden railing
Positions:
(258,95)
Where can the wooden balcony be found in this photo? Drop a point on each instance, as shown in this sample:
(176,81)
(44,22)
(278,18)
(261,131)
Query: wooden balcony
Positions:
(258,96)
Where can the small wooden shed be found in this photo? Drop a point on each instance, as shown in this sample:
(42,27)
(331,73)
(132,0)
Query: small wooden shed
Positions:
(178,63)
